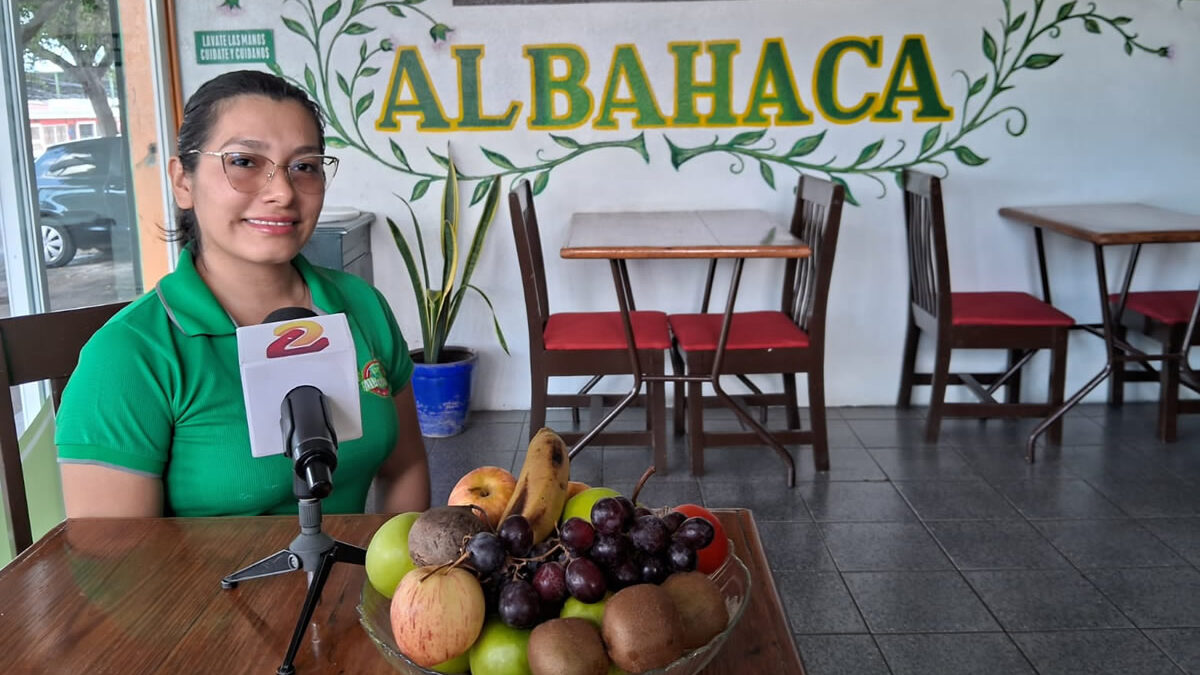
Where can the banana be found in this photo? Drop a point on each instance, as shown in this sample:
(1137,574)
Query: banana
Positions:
(541,488)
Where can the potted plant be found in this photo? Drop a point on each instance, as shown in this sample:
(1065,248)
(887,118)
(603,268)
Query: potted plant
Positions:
(442,377)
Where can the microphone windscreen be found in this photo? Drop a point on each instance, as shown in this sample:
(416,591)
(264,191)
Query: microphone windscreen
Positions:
(288,314)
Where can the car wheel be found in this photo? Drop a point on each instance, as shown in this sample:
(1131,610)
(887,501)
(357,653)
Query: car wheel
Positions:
(57,246)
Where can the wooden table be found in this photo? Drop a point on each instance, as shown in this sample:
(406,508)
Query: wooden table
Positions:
(130,596)
(1103,225)
(673,235)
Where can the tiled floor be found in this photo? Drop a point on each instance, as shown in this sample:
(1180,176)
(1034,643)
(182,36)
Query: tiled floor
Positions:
(955,558)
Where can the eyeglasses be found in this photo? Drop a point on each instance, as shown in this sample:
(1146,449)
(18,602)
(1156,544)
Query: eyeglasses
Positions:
(250,173)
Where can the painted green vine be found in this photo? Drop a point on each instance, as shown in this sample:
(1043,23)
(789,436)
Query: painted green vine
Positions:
(1008,54)
(322,34)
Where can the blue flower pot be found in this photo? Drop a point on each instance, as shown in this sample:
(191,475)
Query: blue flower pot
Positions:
(443,391)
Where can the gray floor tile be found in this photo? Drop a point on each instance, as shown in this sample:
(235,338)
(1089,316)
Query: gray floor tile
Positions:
(1182,645)
(880,412)
(855,502)
(1058,498)
(840,655)
(769,501)
(746,463)
(1008,463)
(664,493)
(845,464)
(588,466)
(918,602)
(1107,543)
(1181,534)
(958,653)
(955,500)
(1033,600)
(1110,652)
(923,463)
(883,547)
(996,544)
(1153,598)
(625,464)
(971,432)
(794,546)
(1152,499)
(890,433)
(818,602)
(490,416)
(1114,462)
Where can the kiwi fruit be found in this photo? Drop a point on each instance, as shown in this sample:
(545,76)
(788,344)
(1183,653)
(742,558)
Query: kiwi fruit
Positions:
(437,536)
(701,606)
(569,646)
(642,628)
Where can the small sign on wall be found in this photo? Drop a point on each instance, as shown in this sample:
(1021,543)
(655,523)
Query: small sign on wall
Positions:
(235,46)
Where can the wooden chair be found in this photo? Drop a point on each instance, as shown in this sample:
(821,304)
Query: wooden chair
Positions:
(788,341)
(1170,318)
(567,344)
(1012,321)
(35,348)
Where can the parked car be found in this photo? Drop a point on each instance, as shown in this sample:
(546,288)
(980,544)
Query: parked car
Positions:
(82,195)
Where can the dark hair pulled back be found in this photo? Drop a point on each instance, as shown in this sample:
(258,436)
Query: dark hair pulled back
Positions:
(200,114)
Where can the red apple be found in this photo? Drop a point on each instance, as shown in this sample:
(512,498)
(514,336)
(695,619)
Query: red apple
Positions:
(437,614)
(489,488)
(711,557)
(575,487)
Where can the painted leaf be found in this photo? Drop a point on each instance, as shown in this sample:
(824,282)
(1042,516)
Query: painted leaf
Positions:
(1016,23)
(1120,20)
(357,28)
(363,104)
(540,182)
(343,85)
(420,189)
(989,46)
(400,156)
(497,159)
(331,11)
(295,27)
(395,10)
(362,51)
(806,145)
(1039,61)
(335,142)
(275,68)
(1091,25)
(310,80)
(966,156)
(439,31)
(442,161)
(357,5)
(899,176)
(1128,48)
(868,153)
(369,71)
(481,190)
(565,141)
(845,189)
(930,138)
(1065,10)
(747,137)
(768,175)
(977,86)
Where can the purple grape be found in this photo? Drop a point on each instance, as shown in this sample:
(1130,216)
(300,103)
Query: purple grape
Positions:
(520,605)
(517,535)
(537,556)
(608,516)
(649,534)
(655,570)
(673,519)
(577,536)
(641,511)
(585,581)
(683,559)
(695,533)
(550,582)
(610,549)
(627,511)
(623,574)
(485,552)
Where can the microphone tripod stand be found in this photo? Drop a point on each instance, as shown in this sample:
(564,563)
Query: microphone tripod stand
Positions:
(312,551)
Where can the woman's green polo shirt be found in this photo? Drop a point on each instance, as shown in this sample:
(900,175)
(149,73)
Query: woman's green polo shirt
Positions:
(158,392)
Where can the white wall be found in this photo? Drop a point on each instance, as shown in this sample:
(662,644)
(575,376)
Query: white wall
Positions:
(1101,126)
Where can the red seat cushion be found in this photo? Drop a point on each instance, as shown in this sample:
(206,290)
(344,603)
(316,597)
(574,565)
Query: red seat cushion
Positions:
(750,330)
(1169,307)
(1004,308)
(605,330)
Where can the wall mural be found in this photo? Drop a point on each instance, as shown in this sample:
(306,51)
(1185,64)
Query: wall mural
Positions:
(1019,43)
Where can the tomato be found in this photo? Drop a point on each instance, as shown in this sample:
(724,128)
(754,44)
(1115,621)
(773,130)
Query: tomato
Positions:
(711,557)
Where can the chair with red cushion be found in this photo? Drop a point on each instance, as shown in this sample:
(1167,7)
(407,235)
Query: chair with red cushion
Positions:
(1016,322)
(1164,316)
(572,344)
(787,341)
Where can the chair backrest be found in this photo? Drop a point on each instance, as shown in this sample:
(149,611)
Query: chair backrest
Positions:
(928,261)
(816,220)
(529,256)
(35,348)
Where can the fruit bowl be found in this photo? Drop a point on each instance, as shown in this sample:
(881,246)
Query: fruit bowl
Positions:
(732,578)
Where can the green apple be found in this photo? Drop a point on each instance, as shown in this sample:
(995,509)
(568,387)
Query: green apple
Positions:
(614,670)
(500,650)
(593,611)
(580,506)
(458,664)
(387,554)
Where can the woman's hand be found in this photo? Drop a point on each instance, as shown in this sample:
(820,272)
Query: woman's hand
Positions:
(93,491)
(403,481)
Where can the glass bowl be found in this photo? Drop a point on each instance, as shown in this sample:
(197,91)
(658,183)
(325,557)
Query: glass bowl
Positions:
(732,578)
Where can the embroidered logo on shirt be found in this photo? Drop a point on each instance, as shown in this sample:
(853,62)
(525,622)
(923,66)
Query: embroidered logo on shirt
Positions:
(373,380)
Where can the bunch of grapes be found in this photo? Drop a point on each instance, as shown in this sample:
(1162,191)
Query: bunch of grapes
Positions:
(621,546)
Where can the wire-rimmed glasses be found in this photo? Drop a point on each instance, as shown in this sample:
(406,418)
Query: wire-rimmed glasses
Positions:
(250,172)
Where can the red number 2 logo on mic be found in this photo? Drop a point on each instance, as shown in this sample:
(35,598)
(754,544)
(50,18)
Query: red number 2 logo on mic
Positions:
(297,337)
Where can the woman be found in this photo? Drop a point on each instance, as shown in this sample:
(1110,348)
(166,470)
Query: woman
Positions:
(153,421)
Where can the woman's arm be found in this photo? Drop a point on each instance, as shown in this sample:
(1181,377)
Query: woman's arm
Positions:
(93,491)
(403,480)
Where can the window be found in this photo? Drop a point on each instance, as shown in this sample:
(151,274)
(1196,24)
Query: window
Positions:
(85,130)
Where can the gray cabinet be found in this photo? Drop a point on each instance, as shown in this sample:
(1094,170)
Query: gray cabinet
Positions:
(344,245)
